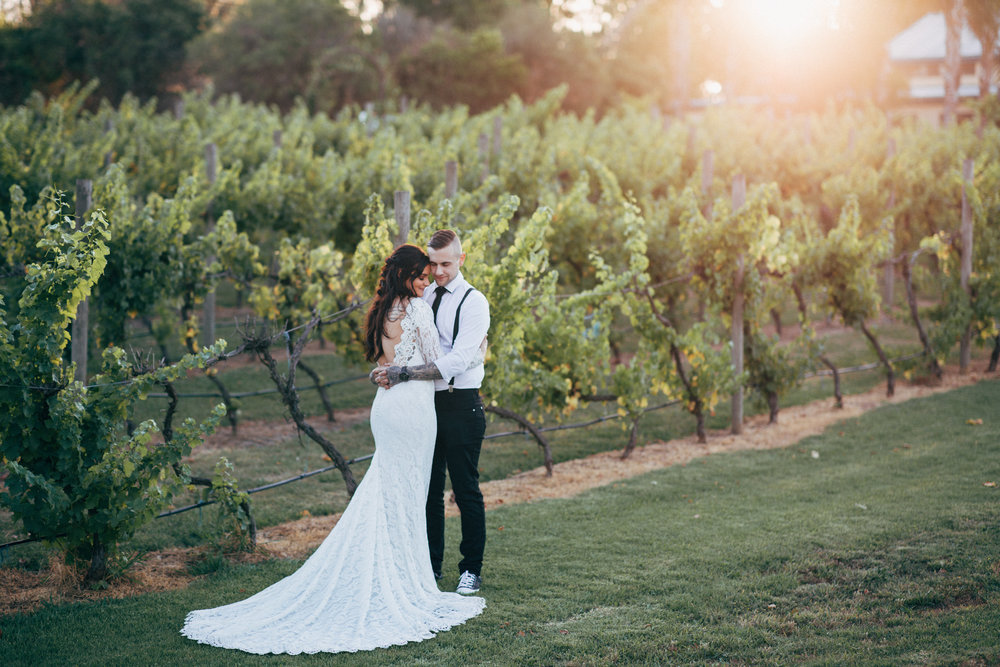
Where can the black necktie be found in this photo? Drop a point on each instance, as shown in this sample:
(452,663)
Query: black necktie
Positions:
(438,293)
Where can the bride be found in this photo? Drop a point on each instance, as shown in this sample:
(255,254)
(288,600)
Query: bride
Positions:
(370,583)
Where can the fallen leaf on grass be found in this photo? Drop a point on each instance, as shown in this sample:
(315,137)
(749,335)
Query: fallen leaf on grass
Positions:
(974,422)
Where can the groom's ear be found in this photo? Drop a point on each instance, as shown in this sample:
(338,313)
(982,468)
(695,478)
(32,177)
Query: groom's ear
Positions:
(461,260)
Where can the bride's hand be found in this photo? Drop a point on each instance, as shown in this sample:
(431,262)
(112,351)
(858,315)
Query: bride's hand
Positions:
(377,376)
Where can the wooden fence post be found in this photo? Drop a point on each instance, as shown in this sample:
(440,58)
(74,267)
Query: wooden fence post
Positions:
(739,199)
(208,325)
(80,328)
(450,179)
(276,138)
(401,203)
(967,172)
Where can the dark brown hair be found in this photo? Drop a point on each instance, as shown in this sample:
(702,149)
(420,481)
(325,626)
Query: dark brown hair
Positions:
(442,239)
(405,263)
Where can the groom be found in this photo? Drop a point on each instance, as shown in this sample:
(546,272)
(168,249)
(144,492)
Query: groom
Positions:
(462,316)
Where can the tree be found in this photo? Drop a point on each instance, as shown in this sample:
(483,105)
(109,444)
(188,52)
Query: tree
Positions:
(984,21)
(462,68)
(463,14)
(133,46)
(954,21)
(275,51)
(555,57)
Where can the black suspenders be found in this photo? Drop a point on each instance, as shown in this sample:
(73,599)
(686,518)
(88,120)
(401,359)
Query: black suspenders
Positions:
(454,332)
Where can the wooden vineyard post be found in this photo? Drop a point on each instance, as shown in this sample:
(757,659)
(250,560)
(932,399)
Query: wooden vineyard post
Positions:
(450,179)
(80,328)
(889,275)
(484,155)
(707,178)
(964,352)
(108,126)
(497,137)
(276,138)
(401,202)
(370,121)
(208,324)
(739,199)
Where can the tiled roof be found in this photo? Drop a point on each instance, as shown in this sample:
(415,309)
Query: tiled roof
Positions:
(924,40)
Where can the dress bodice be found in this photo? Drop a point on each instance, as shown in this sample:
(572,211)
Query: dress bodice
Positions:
(419,343)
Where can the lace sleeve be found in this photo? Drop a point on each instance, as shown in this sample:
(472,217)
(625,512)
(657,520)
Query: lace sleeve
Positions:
(427,333)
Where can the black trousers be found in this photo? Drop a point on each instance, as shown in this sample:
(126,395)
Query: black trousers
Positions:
(461,425)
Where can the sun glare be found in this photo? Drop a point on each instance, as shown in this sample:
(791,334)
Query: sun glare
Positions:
(783,22)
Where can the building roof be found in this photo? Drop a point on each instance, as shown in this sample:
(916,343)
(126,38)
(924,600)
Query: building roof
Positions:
(925,40)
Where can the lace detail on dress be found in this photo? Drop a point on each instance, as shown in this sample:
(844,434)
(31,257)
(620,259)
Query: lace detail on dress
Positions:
(370,583)
(419,343)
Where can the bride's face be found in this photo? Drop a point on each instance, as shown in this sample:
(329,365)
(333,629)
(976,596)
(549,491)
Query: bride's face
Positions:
(420,283)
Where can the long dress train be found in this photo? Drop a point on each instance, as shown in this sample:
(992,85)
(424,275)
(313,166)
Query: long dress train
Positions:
(370,583)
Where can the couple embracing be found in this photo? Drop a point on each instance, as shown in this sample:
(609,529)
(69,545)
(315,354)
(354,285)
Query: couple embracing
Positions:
(372,582)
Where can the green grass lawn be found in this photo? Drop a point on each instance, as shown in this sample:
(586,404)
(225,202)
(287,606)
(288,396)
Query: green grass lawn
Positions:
(325,494)
(877,542)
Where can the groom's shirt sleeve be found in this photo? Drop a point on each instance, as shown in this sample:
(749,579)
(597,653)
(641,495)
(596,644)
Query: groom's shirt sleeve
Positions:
(473,326)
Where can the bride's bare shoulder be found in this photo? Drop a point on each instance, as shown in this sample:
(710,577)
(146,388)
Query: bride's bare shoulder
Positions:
(397,310)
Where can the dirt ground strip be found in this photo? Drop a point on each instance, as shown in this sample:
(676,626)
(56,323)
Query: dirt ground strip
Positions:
(168,569)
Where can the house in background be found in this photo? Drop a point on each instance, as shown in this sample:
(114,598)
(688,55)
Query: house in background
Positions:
(916,65)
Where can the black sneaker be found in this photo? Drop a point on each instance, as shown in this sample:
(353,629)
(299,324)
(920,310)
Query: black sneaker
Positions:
(469,583)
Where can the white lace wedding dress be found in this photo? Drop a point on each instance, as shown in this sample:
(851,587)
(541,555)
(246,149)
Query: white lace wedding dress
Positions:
(369,584)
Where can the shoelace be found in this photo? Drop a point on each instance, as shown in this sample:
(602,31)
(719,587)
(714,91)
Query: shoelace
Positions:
(467,579)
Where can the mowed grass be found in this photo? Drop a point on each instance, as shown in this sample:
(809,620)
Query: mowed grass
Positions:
(877,542)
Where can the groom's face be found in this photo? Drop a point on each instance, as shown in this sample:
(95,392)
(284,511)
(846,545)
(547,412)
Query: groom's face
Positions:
(445,263)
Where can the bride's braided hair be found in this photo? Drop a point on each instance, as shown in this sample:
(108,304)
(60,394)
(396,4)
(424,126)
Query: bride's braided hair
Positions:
(404,264)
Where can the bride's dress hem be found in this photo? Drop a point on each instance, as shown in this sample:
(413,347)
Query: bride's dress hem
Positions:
(189,632)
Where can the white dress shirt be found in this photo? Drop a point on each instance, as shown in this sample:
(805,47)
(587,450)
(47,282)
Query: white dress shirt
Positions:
(473,326)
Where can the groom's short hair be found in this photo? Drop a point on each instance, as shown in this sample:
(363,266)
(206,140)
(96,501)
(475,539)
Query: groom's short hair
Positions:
(443,238)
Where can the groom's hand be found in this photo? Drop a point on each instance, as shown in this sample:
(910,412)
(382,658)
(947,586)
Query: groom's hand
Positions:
(392,377)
